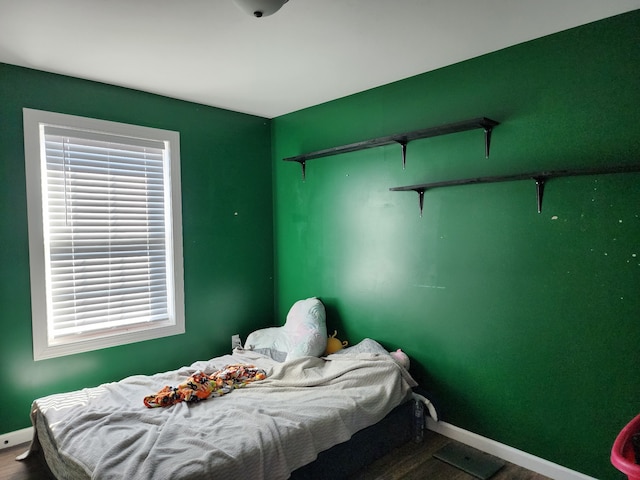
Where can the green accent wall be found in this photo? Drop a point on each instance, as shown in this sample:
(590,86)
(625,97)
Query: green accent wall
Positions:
(524,327)
(227,235)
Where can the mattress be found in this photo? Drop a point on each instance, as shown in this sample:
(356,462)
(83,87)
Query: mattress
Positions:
(265,430)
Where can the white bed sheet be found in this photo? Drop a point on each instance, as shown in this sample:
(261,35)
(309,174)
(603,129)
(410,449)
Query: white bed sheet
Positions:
(262,431)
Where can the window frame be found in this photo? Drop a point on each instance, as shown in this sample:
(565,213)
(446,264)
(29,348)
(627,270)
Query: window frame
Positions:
(34,123)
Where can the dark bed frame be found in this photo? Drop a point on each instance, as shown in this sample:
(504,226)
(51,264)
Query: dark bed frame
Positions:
(364,447)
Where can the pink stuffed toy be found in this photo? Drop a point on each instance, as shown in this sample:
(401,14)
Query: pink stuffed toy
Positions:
(401,358)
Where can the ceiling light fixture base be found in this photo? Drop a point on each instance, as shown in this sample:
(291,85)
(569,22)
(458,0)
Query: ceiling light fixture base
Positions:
(260,8)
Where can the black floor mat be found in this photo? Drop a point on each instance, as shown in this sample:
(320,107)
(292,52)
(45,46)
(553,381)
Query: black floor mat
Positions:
(474,462)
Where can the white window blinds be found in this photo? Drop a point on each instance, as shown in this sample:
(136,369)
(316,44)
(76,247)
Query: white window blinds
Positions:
(107,232)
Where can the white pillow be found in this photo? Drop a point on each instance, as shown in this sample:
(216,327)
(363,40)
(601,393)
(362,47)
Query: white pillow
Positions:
(303,334)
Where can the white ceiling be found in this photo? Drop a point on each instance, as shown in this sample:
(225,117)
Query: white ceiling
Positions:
(310,52)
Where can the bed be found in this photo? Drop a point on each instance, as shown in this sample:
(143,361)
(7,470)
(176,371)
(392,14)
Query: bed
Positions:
(344,409)
(265,430)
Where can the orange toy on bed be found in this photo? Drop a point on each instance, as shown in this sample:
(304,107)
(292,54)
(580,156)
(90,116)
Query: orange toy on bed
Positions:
(334,344)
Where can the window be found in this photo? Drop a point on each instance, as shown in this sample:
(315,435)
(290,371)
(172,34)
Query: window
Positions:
(105,241)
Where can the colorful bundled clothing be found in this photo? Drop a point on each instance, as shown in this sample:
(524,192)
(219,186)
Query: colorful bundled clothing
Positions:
(201,386)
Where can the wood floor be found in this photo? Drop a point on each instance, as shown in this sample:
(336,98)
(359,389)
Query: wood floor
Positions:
(413,461)
(31,469)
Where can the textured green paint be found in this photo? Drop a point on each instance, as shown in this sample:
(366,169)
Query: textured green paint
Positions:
(524,326)
(227,235)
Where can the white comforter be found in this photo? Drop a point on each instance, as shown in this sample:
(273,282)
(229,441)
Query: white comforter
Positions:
(262,431)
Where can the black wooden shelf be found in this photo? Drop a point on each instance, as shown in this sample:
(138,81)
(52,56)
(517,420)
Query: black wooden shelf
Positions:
(403,139)
(540,178)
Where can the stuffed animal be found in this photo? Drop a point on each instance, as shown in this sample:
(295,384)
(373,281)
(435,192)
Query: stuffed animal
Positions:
(334,344)
(401,358)
(303,334)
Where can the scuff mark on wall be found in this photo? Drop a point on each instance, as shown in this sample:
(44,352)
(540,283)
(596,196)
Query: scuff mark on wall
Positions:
(435,287)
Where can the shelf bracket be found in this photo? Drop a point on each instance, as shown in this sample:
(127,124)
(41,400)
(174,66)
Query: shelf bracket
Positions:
(540,181)
(487,140)
(403,144)
(303,164)
(420,192)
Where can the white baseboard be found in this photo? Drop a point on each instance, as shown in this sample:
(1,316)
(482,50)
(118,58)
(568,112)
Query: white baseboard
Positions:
(12,439)
(505,452)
